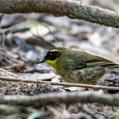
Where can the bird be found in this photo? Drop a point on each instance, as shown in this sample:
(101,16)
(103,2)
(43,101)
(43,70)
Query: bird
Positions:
(77,66)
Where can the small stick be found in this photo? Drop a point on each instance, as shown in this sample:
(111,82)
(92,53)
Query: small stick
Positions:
(62,83)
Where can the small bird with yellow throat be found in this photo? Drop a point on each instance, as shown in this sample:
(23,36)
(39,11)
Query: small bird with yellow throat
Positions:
(77,66)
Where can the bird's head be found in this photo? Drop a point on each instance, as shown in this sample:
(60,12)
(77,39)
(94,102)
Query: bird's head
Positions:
(51,56)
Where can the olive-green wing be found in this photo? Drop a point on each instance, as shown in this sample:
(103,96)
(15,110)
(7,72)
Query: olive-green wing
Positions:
(92,60)
(83,59)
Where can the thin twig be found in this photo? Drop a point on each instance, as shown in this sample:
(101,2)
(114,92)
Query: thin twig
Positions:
(61,83)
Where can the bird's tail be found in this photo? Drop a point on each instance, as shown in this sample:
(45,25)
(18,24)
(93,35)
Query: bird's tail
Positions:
(111,65)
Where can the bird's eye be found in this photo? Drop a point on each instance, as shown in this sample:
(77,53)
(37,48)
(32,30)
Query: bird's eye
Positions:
(51,54)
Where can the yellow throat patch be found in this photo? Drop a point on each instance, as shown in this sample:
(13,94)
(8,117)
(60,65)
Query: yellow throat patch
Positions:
(52,63)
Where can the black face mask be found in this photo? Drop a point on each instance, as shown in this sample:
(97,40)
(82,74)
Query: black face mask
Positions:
(50,55)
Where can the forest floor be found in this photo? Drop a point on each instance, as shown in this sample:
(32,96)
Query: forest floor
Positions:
(25,39)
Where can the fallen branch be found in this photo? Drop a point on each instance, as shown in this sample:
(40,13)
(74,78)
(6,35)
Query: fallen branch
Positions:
(8,109)
(70,8)
(61,83)
(61,97)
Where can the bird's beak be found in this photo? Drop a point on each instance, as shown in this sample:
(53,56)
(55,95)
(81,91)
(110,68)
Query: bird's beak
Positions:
(43,59)
(40,61)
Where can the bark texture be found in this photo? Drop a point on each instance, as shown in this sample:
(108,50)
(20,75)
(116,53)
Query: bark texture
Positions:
(70,8)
